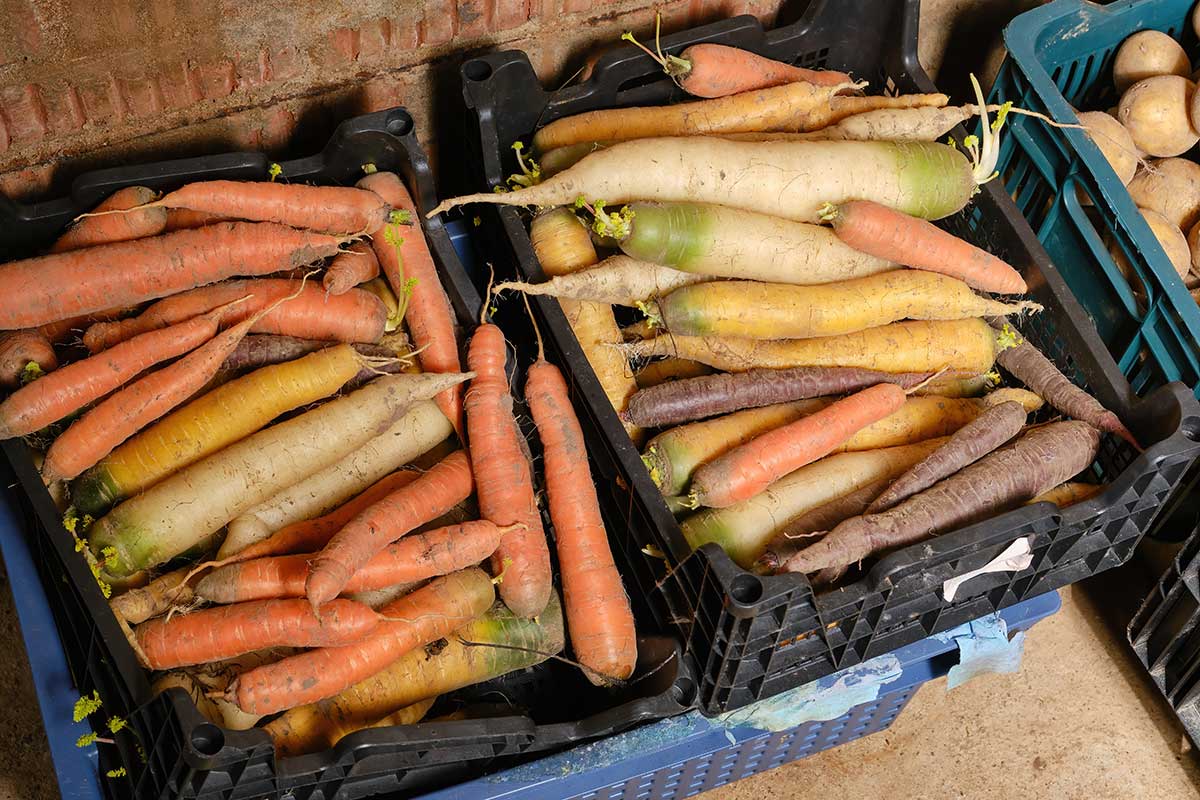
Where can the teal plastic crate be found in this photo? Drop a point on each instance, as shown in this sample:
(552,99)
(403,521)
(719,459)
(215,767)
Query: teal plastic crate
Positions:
(1060,58)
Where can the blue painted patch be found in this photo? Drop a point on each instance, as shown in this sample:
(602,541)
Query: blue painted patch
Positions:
(828,698)
(985,648)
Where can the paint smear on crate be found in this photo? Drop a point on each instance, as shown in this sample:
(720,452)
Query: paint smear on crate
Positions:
(983,648)
(826,699)
(606,752)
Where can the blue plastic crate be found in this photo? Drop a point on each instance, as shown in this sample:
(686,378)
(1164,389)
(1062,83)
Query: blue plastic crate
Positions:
(683,756)
(1060,59)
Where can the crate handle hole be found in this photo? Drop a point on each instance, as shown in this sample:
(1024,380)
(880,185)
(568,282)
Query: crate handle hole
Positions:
(746,589)
(477,70)
(685,692)
(1191,429)
(399,123)
(207,739)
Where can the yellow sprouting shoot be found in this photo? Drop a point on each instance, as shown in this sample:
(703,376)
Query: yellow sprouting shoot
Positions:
(70,521)
(674,66)
(87,739)
(116,723)
(530,174)
(992,379)
(654,552)
(369,169)
(110,556)
(504,565)
(274,171)
(617,224)
(119,772)
(476,221)
(500,189)
(86,706)
(1008,337)
(31,372)
(105,589)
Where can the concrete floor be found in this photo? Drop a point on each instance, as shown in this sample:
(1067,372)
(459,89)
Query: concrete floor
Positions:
(1080,719)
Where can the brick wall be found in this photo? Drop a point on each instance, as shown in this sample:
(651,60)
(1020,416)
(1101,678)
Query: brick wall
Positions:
(86,83)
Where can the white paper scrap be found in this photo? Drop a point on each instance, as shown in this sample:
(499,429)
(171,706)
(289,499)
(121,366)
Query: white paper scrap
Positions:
(1017,556)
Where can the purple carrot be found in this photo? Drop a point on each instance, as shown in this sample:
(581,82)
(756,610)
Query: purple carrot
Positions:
(973,441)
(1028,365)
(801,531)
(265,349)
(709,395)
(1040,460)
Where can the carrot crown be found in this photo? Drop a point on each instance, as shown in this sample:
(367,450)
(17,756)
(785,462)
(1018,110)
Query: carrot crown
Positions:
(674,66)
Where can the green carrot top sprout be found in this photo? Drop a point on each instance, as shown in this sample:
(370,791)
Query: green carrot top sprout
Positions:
(274,171)
(531,173)
(400,216)
(615,224)
(369,168)
(674,66)
(1008,337)
(985,157)
(86,706)
(31,372)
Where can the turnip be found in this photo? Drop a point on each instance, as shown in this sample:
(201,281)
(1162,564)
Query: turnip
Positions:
(1156,112)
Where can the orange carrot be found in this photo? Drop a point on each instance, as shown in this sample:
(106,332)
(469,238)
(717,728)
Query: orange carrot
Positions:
(413,558)
(123,414)
(137,224)
(718,70)
(36,291)
(599,619)
(329,209)
(354,316)
(19,349)
(179,219)
(429,318)
(884,232)
(219,633)
(427,498)
(356,265)
(426,615)
(746,470)
(503,480)
(70,388)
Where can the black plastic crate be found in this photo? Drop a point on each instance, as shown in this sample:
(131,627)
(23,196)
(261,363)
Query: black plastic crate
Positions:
(752,636)
(187,757)
(1165,634)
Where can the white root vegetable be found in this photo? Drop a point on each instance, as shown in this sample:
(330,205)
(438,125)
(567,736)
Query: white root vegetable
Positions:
(792,180)
(920,124)
(617,280)
(195,502)
(421,428)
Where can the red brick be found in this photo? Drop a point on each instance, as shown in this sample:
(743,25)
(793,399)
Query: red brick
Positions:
(278,129)
(217,80)
(575,6)
(375,39)
(344,42)
(176,86)
(143,96)
(36,109)
(5,137)
(74,106)
(28,30)
(510,14)
(406,34)
(286,64)
(437,23)
(474,18)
